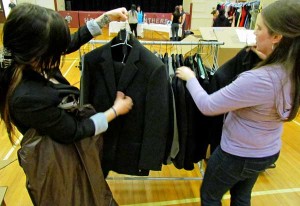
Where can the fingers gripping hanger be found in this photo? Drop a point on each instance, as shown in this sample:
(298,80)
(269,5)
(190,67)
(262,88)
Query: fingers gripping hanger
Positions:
(123,38)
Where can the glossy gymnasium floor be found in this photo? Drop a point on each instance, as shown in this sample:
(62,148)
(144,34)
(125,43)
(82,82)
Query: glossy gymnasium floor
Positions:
(275,187)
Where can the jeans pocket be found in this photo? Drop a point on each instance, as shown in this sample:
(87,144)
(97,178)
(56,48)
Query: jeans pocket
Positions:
(253,167)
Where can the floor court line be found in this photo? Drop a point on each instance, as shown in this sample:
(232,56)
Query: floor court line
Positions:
(70,67)
(195,200)
(12,149)
(297,123)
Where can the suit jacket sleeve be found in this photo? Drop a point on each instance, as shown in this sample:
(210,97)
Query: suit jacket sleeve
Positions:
(79,38)
(38,109)
(156,121)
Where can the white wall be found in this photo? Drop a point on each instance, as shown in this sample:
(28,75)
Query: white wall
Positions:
(186,5)
(45,3)
(265,3)
(5,7)
(61,5)
(201,16)
(27,1)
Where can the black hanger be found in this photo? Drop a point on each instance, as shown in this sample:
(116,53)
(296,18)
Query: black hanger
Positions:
(173,62)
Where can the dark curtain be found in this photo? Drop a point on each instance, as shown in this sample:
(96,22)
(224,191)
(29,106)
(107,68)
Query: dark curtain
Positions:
(160,6)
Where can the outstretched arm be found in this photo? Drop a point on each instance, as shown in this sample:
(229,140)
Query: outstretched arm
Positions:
(93,28)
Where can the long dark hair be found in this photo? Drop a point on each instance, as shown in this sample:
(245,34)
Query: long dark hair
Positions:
(282,17)
(133,9)
(36,38)
(176,11)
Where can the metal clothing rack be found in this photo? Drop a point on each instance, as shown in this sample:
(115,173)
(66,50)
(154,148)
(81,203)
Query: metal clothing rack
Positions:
(198,43)
(165,42)
(173,43)
(241,4)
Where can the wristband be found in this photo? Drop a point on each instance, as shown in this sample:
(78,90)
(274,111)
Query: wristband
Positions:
(103,21)
(113,109)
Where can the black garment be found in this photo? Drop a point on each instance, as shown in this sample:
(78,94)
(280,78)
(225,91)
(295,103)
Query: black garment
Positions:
(176,17)
(175,26)
(134,143)
(187,115)
(133,28)
(221,21)
(35,100)
(244,60)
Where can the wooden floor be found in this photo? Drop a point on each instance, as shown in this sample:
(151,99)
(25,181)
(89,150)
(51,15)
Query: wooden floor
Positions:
(275,187)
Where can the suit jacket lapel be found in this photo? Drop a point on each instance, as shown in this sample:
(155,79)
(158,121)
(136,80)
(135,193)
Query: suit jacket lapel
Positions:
(108,71)
(130,68)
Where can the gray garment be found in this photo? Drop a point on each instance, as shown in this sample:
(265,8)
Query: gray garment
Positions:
(175,142)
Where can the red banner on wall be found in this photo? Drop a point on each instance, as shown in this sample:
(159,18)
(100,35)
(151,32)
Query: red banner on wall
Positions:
(163,18)
(84,16)
(157,18)
(71,17)
(76,19)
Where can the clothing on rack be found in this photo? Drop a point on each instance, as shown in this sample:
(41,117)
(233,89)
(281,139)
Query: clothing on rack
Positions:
(134,143)
(185,143)
(191,149)
(196,131)
(244,13)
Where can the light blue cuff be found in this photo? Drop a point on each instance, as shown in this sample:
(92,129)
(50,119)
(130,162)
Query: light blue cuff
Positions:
(100,123)
(93,27)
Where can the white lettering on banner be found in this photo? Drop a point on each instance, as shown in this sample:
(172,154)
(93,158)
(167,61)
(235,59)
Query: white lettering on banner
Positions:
(156,21)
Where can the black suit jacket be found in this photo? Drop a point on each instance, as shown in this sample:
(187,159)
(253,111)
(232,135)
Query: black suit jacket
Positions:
(35,100)
(134,143)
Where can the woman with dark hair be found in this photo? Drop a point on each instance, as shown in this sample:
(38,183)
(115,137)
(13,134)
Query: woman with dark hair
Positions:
(133,19)
(37,52)
(140,15)
(175,18)
(34,40)
(221,20)
(215,13)
(258,102)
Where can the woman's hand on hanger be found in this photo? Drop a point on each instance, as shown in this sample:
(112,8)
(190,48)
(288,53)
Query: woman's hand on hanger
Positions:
(185,73)
(119,14)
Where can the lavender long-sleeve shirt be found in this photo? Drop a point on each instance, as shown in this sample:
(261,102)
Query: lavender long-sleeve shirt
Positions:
(257,102)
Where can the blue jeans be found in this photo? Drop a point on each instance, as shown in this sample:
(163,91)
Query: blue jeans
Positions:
(229,172)
(175,28)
